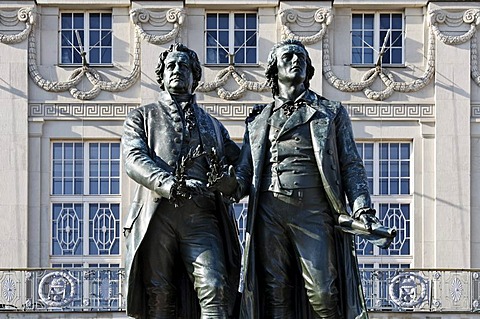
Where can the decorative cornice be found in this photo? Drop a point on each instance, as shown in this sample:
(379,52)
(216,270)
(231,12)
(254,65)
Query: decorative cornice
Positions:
(11,18)
(470,16)
(391,111)
(80,110)
(221,79)
(158,18)
(323,16)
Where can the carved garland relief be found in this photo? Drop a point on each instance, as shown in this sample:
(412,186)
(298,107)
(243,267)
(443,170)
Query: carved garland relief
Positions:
(176,16)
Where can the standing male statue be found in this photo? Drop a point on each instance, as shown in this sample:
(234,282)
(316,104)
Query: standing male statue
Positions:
(182,258)
(298,163)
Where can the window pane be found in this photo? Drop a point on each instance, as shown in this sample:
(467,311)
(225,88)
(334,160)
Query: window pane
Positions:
(396,38)
(211,37)
(239,38)
(78,20)
(240,56)
(211,21)
(368,21)
(397,21)
(251,21)
(368,55)
(357,38)
(223,21)
(223,38)
(357,21)
(94,55)
(251,55)
(93,186)
(251,38)
(68,151)
(222,56)
(94,20)
(115,151)
(57,150)
(211,55)
(106,38)
(93,150)
(93,169)
(66,38)
(356,55)
(94,38)
(106,55)
(239,21)
(67,21)
(385,21)
(67,56)
(106,20)
(76,57)
(115,186)
(396,56)
(368,38)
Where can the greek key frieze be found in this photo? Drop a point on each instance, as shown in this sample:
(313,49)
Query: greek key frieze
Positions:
(77,110)
(392,111)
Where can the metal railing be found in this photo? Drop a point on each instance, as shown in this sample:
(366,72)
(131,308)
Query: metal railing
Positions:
(101,289)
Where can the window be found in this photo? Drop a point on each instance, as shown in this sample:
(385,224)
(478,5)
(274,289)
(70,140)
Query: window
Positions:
(388,166)
(369,38)
(88,34)
(85,203)
(231,38)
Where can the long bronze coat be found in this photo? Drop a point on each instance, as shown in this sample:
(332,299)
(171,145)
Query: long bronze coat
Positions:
(152,144)
(343,176)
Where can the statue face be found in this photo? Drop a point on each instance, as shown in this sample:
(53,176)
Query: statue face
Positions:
(291,64)
(177,75)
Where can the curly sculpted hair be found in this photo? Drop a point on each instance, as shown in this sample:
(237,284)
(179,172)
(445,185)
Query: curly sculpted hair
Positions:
(195,65)
(271,72)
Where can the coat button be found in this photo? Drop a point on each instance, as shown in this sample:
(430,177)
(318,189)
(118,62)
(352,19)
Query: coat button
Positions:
(297,139)
(177,139)
(333,167)
(337,182)
(178,129)
(156,199)
(330,152)
(177,119)
(171,163)
(175,152)
(295,183)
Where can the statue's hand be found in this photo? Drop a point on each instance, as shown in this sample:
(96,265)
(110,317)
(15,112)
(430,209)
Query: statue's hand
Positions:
(195,187)
(369,219)
(226,183)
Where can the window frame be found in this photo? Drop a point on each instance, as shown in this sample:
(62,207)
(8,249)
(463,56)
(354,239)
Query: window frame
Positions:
(231,37)
(86,39)
(377,259)
(85,199)
(377,43)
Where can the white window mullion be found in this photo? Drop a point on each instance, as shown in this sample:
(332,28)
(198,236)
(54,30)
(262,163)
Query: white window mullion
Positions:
(231,34)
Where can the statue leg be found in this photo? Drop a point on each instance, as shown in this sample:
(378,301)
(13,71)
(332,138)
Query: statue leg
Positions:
(157,253)
(311,229)
(201,250)
(274,259)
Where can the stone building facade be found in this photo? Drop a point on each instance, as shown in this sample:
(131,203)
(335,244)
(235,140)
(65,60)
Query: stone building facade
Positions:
(407,71)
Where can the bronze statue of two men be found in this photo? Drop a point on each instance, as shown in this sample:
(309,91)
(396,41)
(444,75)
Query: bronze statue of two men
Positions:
(299,166)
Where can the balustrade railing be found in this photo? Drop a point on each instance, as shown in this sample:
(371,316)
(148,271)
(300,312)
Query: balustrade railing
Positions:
(101,289)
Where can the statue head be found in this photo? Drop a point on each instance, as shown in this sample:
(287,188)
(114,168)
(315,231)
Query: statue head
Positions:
(178,70)
(292,60)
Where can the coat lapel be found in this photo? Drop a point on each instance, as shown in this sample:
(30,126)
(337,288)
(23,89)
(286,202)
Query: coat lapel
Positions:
(205,128)
(299,117)
(258,130)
